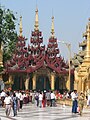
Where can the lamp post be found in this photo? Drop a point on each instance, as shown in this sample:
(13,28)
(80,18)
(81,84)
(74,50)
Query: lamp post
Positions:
(68,45)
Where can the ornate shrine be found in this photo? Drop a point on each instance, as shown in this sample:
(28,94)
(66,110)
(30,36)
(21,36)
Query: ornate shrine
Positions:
(31,65)
(82,72)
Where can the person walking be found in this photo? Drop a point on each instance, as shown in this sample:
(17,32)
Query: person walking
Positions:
(74,97)
(18,96)
(14,104)
(40,99)
(81,102)
(3,94)
(88,100)
(37,98)
(52,99)
(44,100)
(21,100)
(48,97)
(8,104)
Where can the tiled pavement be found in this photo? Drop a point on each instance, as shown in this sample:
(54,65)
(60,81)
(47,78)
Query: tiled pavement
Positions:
(31,112)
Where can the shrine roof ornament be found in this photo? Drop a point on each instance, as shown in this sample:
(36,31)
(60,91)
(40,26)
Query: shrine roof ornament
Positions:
(87,56)
(36,26)
(20,27)
(52,27)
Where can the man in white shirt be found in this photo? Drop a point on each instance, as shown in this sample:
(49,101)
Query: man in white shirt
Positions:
(52,99)
(74,97)
(8,104)
(40,99)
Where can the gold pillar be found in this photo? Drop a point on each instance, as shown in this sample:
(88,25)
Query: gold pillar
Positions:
(10,78)
(1,77)
(83,86)
(87,56)
(27,83)
(80,85)
(34,82)
(68,83)
(52,81)
(69,75)
(10,81)
(75,85)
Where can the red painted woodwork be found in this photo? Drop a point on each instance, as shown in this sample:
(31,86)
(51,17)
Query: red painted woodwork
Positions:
(31,58)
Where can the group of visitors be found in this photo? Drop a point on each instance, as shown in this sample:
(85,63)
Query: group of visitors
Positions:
(44,99)
(12,100)
(77,102)
(16,99)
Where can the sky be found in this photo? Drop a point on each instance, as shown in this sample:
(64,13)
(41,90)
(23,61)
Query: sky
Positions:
(70,20)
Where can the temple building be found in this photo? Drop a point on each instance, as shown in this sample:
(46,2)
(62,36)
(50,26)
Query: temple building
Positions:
(82,64)
(37,67)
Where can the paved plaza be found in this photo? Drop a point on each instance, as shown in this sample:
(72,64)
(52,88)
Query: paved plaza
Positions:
(31,112)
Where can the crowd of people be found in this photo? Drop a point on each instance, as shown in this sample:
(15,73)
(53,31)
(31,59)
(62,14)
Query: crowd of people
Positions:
(12,100)
(16,99)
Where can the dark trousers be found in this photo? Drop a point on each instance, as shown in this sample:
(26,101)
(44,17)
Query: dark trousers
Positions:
(14,110)
(74,106)
(52,102)
(2,99)
(37,102)
(21,103)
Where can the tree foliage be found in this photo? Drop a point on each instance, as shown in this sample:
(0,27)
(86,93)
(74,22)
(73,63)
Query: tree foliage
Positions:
(8,35)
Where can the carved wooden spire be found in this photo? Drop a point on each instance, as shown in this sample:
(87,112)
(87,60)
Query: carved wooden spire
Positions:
(20,27)
(36,26)
(52,27)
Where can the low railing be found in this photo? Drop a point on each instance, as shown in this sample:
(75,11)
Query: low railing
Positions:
(67,102)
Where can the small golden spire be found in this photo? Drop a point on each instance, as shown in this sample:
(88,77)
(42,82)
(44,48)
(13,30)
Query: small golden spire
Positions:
(36,26)
(88,40)
(52,27)
(20,27)
(88,26)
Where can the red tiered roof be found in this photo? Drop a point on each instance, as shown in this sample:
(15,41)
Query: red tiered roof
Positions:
(18,61)
(54,62)
(31,58)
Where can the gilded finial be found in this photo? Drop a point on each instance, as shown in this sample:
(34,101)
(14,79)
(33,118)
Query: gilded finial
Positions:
(88,26)
(52,27)
(88,41)
(20,27)
(36,26)
(87,29)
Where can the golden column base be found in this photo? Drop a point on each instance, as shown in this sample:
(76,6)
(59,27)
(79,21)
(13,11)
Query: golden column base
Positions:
(27,84)
(52,81)
(34,82)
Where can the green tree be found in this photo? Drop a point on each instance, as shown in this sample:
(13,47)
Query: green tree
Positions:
(8,35)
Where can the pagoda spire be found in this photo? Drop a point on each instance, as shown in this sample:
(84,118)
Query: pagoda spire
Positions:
(52,27)
(36,26)
(87,57)
(20,27)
